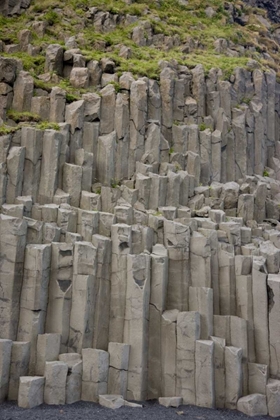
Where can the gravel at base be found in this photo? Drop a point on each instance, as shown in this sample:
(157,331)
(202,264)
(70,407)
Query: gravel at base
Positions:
(91,411)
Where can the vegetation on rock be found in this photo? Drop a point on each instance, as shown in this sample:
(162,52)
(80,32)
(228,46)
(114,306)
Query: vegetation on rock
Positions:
(197,26)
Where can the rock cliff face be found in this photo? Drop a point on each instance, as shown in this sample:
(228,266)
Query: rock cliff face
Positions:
(139,232)
(13,7)
(272,7)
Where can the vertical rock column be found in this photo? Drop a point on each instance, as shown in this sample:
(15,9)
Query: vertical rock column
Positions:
(19,367)
(48,347)
(233,362)
(136,326)
(216,155)
(12,244)
(90,142)
(118,369)
(95,374)
(57,104)
(168,354)
(219,367)
(49,168)
(23,92)
(260,310)
(200,259)
(176,240)
(244,298)
(159,279)
(72,182)
(55,385)
(121,245)
(32,140)
(74,376)
(60,292)
(75,117)
(227,282)
(83,297)
(106,158)
(204,374)
(258,108)
(239,339)
(167,87)
(154,101)
(107,110)
(270,77)
(205,156)
(188,331)
(240,134)
(201,300)
(273,316)
(15,167)
(213,242)
(138,116)
(103,291)
(199,90)
(5,360)
(34,297)
(122,133)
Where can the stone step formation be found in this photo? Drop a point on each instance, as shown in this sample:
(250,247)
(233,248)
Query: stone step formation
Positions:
(140,238)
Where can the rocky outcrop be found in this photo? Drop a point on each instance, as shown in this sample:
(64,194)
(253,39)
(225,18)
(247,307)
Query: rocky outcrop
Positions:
(272,7)
(13,7)
(163,282)
(139,233)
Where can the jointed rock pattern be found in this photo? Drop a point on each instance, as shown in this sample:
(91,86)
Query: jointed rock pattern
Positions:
(140,242)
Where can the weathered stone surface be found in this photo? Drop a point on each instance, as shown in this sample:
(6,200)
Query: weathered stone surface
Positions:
(201,300)
(106,158)
(170,401)
(48,346)
(233,364)
(12,244)
(8,70)
(121,244)
(136,324)
(188,331)
(108,238)
(204,374)
(257,378)
(168,352)
(31,391)
(50,160)
(20,356)
(57,104)
(273,397)
(273,284)
(79,77)
(15,167)
(176,240)
(219,371)
(253,405)
(55,386)
(111,401)
(95,374)
(23,92)
(5,360)
(159,279)
(119,360)
(72,182)
(83,297)
(54,59)
(260,310)
(60,292)
(74,376)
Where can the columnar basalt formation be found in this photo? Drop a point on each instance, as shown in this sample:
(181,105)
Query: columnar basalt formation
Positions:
(140,238)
